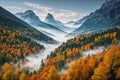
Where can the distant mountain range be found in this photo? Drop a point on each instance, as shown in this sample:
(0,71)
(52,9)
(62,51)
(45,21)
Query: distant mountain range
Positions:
(70,22)
(31,18)
(76,24)
(108,16)
(10,21)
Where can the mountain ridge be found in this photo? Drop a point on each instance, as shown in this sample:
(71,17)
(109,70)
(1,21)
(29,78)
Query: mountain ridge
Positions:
(107,16)
(32,19)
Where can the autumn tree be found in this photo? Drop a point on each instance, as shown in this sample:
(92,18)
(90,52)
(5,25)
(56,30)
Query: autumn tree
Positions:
(8,72)
(109,68)
(75,71)
(53,74)
(22,76)
(63,77)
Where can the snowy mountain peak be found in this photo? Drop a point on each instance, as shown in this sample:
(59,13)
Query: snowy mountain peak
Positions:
(49,18)
(29,16)
(29,13)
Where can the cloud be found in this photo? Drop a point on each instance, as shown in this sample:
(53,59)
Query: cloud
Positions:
(37,6)
(61,14)
(66,13)
(12,7)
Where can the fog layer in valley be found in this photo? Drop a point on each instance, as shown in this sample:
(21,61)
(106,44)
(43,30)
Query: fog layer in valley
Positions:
(84,54)
(33,61)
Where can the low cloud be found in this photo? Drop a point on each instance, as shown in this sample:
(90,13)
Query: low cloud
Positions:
(37,6)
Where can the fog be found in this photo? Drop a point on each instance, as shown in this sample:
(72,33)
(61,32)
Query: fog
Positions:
(33,61)
(84,54)
(93,51)
(59,36)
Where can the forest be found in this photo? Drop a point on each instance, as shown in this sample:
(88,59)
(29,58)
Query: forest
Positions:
(15,46)
(102,66)
(73,48)
(59,39)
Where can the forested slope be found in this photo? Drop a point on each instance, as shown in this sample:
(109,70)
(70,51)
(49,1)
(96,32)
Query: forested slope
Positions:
(15,46)
(102,66)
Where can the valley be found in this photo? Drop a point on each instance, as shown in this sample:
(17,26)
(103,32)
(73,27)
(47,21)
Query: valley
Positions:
(34,60)
(40,41)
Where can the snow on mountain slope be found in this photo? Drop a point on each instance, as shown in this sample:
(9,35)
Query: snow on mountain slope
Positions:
(51,20)
(30,17)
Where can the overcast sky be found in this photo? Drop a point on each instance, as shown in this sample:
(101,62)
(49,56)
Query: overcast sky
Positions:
(63,10)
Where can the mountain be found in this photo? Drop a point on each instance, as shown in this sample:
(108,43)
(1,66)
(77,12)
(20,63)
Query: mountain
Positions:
(69,24)
(47,33)
(9,21)
(108,16)
(51,20)
(73,24)
(76,24)
(31,18)
(81,21)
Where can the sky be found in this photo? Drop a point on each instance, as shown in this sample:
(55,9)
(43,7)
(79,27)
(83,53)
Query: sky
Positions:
(62,10)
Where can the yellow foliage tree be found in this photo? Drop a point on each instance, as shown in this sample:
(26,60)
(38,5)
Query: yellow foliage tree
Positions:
(110,66)
(53,74)
(22,76)
(8,72)
(75,71)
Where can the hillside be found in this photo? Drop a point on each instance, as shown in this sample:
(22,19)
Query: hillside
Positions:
(10,21)
(106,17)
(102,66)
(97,66)
(15,46)
(73,49)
